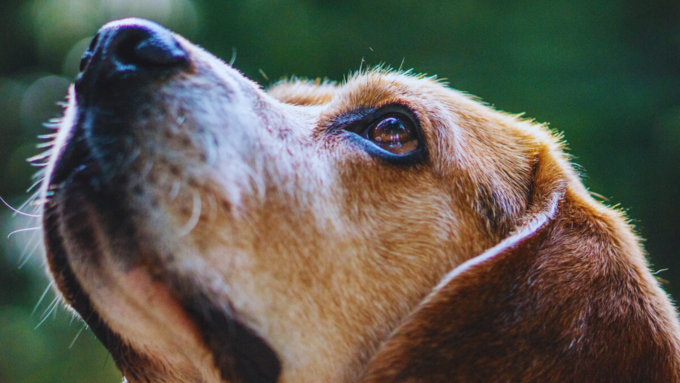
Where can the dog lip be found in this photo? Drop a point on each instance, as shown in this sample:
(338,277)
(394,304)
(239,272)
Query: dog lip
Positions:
(77,298)
(77,158)
(238,352)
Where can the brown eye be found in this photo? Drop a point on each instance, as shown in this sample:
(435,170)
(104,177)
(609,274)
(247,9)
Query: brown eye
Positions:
(395,134)
(391,133)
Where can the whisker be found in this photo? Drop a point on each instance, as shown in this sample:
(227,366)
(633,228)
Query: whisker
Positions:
(17,211)
(73,318)
(26,255)
(77,335)
(36,183)
(43,201)
(42,297)
(39,175)
(42,156)
(233,56)
(108,356)
(195,215)
(48,311)
(174,192)
(23,230)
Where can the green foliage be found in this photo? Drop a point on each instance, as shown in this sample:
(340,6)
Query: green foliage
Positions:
(605,73)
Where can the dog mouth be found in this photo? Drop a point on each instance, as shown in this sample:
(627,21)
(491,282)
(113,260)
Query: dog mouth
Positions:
(87,220)
(108,259)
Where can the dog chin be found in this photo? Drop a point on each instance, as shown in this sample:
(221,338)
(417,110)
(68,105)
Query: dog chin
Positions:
(111,257)
(131,299)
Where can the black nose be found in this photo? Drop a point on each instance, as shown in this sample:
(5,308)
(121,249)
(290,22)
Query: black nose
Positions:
(133,46)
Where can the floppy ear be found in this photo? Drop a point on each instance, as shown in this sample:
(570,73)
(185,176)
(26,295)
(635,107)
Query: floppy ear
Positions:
(567,297)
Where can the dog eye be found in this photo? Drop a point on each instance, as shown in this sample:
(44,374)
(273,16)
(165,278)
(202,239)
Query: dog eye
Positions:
(391,133)
(394,133)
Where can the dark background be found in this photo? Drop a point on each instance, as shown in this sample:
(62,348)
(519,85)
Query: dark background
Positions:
(605,73)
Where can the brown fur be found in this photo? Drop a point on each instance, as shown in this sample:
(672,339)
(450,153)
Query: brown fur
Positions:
(488,261)
(563,305)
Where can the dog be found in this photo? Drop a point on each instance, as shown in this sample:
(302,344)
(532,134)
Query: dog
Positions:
(386,229)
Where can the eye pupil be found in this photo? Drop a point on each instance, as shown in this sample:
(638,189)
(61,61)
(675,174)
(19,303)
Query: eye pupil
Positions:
(389,130)
(394,134)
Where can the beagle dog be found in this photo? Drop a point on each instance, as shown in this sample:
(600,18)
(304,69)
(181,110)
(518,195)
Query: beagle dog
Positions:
(386,229)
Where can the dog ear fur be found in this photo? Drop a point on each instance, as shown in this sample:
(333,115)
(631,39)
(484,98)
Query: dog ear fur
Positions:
(566,297)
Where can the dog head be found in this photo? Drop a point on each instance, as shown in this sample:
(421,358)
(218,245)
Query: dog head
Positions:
(209,231)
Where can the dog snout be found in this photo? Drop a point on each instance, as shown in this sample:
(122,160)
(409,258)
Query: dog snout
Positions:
(132,49)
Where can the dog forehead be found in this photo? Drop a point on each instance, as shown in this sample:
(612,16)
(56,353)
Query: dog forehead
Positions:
(379,86)
(363,89)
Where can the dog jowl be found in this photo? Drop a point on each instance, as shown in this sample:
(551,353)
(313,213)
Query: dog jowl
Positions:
(386,229)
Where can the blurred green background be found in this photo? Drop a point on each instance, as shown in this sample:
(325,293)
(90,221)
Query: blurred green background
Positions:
(606,73)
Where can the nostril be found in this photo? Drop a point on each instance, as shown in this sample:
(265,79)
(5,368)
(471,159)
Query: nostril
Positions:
(125,46)
(147,46)
(160,51)
(87,56)
(132,45)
